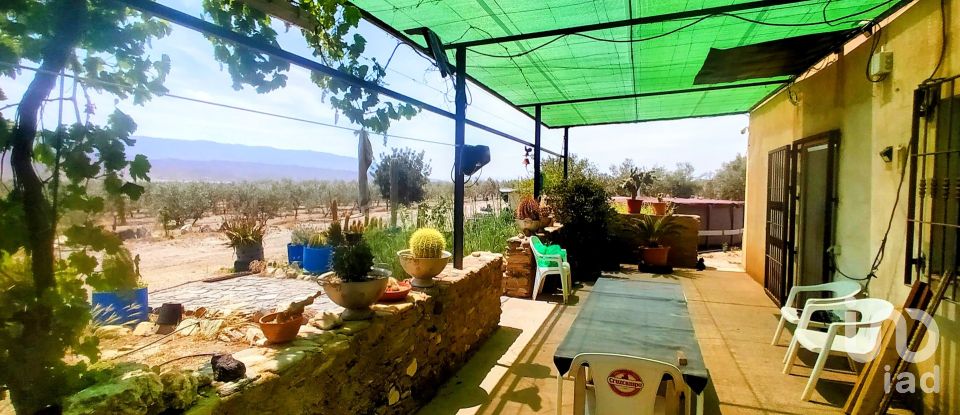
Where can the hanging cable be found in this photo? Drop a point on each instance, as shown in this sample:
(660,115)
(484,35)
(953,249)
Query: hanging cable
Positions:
(688,25)
(943,40)
(233,107)
(881,250)
(873,49)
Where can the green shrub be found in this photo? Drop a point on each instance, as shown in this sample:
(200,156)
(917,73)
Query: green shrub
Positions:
(352,262)
(583,206)
(481,233)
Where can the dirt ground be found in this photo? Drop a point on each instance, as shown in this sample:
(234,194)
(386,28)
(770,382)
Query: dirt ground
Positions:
(201,252)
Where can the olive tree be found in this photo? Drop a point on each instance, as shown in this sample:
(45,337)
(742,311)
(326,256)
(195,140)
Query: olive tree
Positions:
(43,308)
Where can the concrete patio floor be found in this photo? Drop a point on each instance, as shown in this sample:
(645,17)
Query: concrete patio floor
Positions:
(513,372)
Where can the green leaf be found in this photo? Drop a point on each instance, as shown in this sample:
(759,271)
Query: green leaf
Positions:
(82,263)
(351,15)
(132,190)
(140,167)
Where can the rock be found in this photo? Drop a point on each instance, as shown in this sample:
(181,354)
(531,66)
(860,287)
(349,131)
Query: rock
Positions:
(127,234)
(111,332)
(209,328)
(226,368)
(145,328)
(327,321)
(187,327)
(254,335)
(142,232)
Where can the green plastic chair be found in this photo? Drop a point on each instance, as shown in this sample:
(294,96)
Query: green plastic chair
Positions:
(551,260)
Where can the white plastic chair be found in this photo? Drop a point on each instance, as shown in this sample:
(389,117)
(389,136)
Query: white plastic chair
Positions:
(861,345)
(789,313)
(550,264)
(624,385)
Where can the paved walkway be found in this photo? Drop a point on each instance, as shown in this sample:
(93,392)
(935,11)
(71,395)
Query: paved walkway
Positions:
(513,373)
(242,295)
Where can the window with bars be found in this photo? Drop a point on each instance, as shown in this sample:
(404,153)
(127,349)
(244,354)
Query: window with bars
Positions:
(933,231)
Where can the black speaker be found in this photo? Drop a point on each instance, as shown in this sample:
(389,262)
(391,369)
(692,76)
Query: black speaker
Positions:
(474,157)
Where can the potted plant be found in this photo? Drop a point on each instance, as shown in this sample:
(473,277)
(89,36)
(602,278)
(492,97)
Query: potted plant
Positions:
(425,258)
(299,237)
(245,236)
(637,181)
(354,284)
(119,295)
(546,213)
(318,250)
(660,206)
(653,230)
(528,215)
(282,327)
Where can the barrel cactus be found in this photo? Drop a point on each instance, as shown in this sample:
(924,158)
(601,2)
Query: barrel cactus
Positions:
(528,209)
(427,243)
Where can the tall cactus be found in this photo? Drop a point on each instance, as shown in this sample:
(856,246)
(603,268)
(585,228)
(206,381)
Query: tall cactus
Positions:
(528,209)
(427,243)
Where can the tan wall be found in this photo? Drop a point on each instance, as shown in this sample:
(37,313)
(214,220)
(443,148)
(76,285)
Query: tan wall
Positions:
(869,117)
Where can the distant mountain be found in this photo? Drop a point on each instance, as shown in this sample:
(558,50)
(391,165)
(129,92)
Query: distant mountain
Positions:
(235,171)
(186,160)
(183,160)
(200,150)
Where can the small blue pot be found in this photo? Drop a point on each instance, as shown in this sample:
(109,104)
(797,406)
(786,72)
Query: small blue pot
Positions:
(121,307)
(294,253)
(317,260)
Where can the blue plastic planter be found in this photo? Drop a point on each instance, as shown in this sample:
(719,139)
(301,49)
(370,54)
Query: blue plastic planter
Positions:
(121,307)
(317,260)
(294,253)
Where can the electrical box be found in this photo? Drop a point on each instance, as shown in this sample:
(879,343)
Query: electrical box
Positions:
(881,64)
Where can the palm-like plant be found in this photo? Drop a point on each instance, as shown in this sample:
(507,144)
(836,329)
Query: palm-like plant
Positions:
(653,229)
(243,231)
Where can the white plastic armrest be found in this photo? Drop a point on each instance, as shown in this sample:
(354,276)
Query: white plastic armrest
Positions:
(802,288)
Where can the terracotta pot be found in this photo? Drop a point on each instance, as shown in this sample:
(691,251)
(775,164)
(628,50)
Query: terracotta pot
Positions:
(656,257)
(634,205)
(280,332)
(355,297)
(397,295)
(528,226)
(659,208)
(423,269)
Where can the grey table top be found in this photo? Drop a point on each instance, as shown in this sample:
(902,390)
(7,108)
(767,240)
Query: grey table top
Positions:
(640,318)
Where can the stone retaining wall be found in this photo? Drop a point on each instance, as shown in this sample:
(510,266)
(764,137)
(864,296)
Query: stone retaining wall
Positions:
(519,268)
(392,364)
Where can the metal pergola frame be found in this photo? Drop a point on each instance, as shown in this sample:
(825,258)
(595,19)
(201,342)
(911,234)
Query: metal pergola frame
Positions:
(459,70)
(460,119)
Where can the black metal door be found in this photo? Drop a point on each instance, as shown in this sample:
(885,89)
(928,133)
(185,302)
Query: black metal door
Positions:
(933,210)
(778,270)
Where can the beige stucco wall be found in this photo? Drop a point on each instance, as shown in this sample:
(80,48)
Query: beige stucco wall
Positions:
(869,117)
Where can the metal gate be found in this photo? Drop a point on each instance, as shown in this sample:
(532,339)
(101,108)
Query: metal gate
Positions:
(778,273)
(933,210)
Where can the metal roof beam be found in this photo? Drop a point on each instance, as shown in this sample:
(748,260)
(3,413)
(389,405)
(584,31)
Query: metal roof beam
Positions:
(732,8)
(202,26)
(654,94)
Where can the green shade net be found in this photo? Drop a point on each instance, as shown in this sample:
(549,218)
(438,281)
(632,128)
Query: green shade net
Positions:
(604,70)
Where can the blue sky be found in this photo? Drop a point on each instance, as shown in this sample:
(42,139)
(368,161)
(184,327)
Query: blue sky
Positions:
(705,142)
